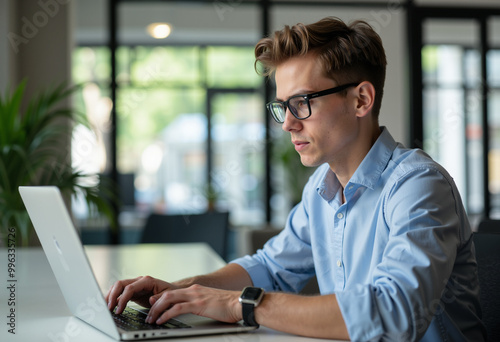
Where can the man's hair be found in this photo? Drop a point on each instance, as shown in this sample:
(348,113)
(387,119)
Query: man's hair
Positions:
(348,53)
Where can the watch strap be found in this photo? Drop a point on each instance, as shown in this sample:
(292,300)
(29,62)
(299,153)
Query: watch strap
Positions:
(249,314)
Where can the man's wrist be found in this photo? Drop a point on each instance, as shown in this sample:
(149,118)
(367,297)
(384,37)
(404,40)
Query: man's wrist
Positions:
(250,298)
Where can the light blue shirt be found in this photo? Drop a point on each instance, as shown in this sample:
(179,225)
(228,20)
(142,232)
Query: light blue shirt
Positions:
(398,253)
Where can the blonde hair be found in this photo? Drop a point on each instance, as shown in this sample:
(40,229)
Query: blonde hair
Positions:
(348,53)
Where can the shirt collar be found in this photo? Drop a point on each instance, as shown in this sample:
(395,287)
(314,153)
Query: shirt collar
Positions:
(329,185)
(368,172)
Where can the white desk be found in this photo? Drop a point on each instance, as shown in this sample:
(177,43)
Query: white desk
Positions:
(42,315)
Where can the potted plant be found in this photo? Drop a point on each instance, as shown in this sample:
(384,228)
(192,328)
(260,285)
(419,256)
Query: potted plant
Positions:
(34,150)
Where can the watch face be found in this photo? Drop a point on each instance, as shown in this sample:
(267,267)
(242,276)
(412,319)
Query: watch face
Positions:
(252,293)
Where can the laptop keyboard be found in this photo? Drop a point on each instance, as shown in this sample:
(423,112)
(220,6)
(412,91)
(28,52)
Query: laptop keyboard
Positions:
(132,320)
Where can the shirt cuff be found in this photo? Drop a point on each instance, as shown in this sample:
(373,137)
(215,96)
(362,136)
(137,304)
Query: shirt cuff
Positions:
(359,313)
(258,273)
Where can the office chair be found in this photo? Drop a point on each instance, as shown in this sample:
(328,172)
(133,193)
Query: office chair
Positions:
(487,245)
(211,227)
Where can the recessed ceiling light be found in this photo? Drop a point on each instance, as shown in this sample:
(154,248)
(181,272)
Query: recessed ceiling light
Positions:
(159,30)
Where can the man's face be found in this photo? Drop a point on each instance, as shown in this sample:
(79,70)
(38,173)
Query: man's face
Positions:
(329,134)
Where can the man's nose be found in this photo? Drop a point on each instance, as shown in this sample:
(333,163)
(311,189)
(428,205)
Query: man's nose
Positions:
(290,123)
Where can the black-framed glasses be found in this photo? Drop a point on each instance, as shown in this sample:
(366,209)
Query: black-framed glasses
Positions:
(299,105)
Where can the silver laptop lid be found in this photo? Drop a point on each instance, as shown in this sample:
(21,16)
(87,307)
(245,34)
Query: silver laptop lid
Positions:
(65,253)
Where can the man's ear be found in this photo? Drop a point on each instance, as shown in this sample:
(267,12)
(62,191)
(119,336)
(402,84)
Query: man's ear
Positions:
(365,98)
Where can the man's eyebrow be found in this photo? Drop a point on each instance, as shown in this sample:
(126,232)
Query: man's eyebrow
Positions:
(301,92)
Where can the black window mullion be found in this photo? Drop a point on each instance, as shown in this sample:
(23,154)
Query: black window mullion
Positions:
(484,110)
(113,45)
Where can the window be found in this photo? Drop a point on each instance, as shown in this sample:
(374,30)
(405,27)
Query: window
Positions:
(165,95)
(452,117)
(461,102)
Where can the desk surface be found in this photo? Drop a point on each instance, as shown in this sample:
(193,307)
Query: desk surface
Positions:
(42,315)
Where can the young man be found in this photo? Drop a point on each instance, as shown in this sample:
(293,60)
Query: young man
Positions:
(381,226)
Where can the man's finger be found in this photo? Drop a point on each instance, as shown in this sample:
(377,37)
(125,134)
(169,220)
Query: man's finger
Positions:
(115,291)
(124,290)
(162,302)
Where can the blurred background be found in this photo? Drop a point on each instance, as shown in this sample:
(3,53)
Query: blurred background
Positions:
(178,111)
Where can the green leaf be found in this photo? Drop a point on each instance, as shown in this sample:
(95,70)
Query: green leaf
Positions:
(9,113)
(34,150)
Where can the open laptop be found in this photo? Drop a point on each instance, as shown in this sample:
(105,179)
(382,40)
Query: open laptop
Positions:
(75,277)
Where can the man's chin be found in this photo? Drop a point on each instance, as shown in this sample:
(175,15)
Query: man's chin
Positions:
(308,163)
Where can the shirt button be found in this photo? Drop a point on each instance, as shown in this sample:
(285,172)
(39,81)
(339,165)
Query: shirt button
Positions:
(340,215)
(339,263)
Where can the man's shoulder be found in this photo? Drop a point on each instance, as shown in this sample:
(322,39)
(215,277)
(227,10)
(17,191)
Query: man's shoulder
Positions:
(401,156)
(417,166)
(408,160)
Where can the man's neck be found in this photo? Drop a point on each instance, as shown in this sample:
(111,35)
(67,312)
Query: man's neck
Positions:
(344,169)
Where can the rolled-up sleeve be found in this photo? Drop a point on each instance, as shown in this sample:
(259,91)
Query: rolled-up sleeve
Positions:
(285,263)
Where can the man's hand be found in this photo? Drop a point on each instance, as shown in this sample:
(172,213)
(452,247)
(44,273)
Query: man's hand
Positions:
(167,300)
(138,290)
(222,305)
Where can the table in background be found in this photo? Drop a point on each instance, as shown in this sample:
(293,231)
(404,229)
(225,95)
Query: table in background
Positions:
(42,314)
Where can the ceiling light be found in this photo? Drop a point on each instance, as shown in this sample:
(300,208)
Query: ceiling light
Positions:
(159,30)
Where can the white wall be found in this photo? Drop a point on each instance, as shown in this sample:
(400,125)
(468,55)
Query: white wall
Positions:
(40,42)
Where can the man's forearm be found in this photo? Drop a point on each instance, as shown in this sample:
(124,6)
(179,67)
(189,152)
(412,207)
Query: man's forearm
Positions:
(230,277)
(313,316)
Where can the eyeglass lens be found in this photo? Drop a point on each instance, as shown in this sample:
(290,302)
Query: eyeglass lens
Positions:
(298,106)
